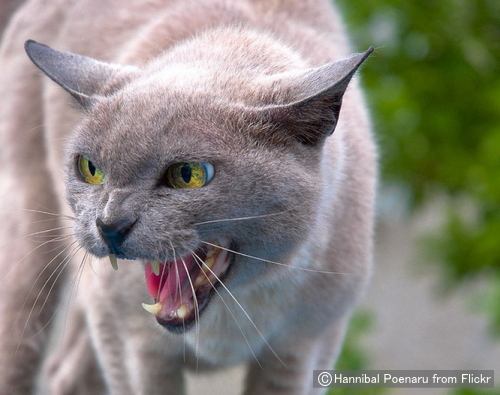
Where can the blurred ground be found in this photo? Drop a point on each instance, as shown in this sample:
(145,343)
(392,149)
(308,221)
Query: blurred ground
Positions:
(417,326)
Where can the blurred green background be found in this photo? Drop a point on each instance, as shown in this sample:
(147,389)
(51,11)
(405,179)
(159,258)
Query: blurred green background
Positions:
(433,87)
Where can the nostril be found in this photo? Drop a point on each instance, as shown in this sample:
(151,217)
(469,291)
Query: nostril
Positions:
(114,233)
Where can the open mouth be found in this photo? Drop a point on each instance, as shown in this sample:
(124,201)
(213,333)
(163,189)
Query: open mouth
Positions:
(182,288)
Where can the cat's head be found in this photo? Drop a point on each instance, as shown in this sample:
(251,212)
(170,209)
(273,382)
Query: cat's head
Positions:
(176,159)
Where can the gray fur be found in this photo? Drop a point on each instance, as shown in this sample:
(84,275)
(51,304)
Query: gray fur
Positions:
(255,88)
(81,76)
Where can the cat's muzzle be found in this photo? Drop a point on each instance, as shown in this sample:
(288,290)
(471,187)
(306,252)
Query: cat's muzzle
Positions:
(182,288)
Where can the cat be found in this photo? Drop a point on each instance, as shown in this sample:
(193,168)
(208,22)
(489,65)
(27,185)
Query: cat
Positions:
(198,157)
(7,8)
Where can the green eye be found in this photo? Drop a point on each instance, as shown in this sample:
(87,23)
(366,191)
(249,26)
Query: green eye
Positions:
(189,175)
(90,173)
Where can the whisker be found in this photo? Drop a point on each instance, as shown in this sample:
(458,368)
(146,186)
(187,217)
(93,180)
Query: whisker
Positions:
(63,264)
(91,263)
(54,237)
(48,230)
(196,311)
(29,254)
(162,274)
(49,213)
(59,274)
(57,246)
(276,263)
(66,248)
(246,314)
(51,288)
(240,218)
(59,308)
(74,289)
(44,220)
(196,257)
(178,282)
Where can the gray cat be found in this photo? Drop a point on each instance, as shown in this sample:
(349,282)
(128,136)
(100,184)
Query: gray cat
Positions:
(211,156)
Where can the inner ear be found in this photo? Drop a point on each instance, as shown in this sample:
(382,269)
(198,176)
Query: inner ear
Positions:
(83,77)
(315,118)
(312,110)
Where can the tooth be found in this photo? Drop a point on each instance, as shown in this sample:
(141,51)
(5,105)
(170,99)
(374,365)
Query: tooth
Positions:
(155,266)
(200,280)
(209,262)
(114,263)
(152,308)
(182,311)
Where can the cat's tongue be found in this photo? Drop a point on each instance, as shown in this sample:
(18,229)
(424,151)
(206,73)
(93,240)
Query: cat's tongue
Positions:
(181,288)
(171,287)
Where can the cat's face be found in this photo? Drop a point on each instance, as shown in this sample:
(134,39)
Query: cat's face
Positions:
(134,137)
(256,196)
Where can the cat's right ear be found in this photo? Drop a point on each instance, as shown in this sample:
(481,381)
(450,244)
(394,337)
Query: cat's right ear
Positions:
(81,76)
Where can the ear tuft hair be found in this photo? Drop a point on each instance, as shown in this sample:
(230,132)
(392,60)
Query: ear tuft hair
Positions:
(81,76)
(313,112)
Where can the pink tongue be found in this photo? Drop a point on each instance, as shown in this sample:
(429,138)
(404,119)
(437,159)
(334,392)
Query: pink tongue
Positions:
(172,287)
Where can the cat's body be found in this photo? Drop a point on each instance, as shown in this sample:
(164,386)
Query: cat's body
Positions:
(295,310)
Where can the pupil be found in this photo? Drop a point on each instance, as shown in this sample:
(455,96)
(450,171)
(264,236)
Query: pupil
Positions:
(186,173)
(91,168)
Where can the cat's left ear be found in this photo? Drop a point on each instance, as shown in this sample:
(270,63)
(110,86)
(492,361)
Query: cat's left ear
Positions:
(314,100)
(83,77)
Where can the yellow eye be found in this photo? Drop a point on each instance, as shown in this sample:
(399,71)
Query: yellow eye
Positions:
(90,173)
(189,175)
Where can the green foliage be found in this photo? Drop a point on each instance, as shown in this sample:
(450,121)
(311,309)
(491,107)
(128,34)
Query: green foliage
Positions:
(359,391)
(474,391)
(353,356)
(434,89)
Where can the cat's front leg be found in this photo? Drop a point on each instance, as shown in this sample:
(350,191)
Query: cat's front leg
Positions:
(140,367)
(299,356)
(154,366)
(135,354)
(72,368)
(156,375)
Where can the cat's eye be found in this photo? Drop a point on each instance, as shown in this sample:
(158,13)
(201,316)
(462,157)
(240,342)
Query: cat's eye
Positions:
(189,175)
(90,172)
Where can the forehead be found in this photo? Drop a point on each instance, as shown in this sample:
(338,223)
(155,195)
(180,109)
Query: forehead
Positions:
(141,132)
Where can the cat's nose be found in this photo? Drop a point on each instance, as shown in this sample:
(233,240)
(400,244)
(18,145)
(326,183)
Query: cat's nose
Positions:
(115,233)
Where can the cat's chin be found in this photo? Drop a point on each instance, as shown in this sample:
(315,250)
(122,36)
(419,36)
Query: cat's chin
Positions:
(182,288)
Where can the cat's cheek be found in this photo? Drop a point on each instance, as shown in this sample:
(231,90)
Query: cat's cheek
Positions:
(77,209)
